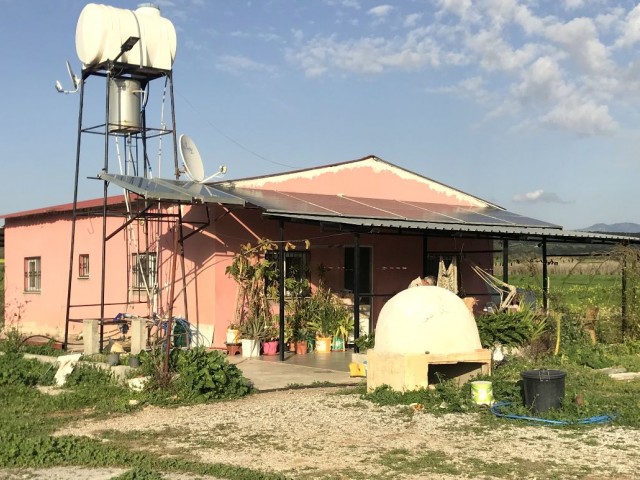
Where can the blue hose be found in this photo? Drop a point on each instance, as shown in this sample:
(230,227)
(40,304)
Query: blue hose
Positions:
(495,409)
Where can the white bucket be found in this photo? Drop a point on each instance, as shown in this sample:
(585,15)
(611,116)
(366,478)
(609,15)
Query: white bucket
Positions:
(482,392)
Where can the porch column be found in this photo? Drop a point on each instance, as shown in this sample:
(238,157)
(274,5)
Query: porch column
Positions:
(545,277)
(281,289)
(356,290)
(425,253)
(505,260)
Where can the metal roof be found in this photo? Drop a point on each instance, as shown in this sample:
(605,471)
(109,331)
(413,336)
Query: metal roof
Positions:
(379,225)
(172,190)
(376,208)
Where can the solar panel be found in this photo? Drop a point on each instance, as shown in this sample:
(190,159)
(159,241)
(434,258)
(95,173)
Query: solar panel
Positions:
(347,206)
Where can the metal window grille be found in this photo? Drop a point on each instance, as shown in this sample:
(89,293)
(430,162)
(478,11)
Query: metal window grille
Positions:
(144,271)
(83,265)
(32,274)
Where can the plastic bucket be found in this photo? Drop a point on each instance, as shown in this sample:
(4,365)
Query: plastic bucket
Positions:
(543,389)
(482,392)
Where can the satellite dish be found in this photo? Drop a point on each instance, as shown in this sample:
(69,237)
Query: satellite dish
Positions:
(192,161)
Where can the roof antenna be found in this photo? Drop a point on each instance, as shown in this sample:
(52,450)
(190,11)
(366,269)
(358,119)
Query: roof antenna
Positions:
(74,79)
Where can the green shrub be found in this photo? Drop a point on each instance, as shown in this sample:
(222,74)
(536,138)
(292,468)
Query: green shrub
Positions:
(207,375)
(16,370)
(510,328)
(89,375)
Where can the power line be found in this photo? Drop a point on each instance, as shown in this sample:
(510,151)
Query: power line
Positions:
(245,148)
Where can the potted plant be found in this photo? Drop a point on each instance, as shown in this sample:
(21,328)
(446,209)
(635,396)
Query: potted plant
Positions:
(344,326)
(252,331)
(298,313)
(270,337)
(327,313)
(253,273)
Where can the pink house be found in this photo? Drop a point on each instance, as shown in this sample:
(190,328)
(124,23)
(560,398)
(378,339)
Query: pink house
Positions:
(402,224)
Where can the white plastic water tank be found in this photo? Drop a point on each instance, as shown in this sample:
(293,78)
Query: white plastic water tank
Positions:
(101,31)
(124,105)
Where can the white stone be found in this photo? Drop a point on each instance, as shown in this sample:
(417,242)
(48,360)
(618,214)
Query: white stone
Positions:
(426,319)
(137,384)
(66,364)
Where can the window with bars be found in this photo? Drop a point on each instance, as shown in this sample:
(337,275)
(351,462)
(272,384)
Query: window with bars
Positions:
(83,265)
(32,274)
(143,270)
(296,264)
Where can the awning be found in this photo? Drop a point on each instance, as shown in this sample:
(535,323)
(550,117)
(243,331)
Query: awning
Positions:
(171,190)
(524,233)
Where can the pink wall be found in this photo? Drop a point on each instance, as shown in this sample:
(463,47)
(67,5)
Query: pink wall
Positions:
(366,178)
(211,294)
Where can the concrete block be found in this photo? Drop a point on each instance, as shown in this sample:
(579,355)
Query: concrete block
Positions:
(138,384)
(139,335)
(66,364)
(404,372)
(625,376)
(91,336)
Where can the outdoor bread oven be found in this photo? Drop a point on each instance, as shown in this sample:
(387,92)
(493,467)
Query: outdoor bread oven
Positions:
(425,333)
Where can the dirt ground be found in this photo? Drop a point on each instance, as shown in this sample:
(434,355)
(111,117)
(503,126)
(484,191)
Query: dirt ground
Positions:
(315,433)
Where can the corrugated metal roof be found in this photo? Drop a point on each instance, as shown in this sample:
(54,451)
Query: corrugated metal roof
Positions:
(172,190)
(493,231)
(375,208)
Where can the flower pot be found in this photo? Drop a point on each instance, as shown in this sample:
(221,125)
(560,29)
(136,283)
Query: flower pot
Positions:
(113,359)
(338,344)
(292,346)
(134,361)
(323,344)
(301,347)
(250,347)
(233,336)
(270,348)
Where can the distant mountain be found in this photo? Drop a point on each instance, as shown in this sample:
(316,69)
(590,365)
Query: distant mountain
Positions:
(625,227)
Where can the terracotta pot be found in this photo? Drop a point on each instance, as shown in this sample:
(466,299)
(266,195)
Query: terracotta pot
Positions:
(270,348)
(292,346)
(301,347)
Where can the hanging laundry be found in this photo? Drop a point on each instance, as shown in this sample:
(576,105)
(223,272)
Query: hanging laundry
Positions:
(448,275)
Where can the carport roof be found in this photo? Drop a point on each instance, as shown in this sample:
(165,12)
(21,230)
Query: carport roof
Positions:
(516,232)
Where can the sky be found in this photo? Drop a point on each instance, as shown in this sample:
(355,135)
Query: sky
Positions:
(530,104)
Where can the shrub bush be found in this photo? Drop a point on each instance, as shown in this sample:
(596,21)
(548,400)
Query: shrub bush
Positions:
(207,375)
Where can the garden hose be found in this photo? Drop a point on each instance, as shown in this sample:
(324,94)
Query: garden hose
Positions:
(495,409)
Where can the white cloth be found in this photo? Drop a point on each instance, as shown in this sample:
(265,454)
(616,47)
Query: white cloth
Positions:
(448,276)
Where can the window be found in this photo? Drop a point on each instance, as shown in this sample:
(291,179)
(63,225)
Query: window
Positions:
(83,265)
(32,274)
(365,283)
(143,269)
(296,264)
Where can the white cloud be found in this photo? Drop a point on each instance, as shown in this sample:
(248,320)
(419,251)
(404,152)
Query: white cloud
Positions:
(380,11)
(573,4)
(630,29)
(239,63)
(472,88)
(411,20)
(494,53)
(461,8)
(582,118)
(368,55)
(579,37)
(538,196)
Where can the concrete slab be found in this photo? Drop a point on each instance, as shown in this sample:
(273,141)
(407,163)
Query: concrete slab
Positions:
(269,373)
(625,376)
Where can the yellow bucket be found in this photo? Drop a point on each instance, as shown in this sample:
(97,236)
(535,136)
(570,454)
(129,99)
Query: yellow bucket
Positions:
(482,392)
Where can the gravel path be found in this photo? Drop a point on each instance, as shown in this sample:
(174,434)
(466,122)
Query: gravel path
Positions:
(315,433)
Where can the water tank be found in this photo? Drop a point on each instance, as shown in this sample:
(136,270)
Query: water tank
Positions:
(102,30)
(124,105)
(426,319)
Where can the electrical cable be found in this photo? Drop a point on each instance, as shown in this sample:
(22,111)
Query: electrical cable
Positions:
(496,410)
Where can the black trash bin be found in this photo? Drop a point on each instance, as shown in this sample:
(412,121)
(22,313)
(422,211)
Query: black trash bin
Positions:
(543,389)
